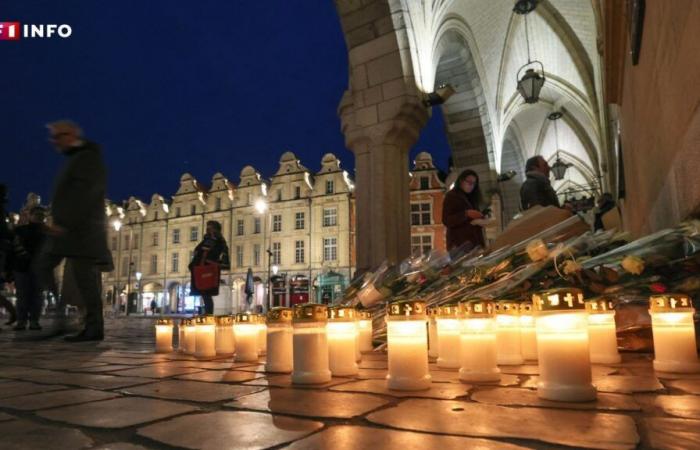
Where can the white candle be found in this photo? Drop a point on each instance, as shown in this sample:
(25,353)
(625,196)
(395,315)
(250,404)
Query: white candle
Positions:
(205,342)
(601,332)
(508,333)
(562,346)
(190,337)
(407,340)
(674,333)
(245,331)
(448,336)
(262,334)
(225,340)
(342,341)
(528,333)
(164,335)
(432,332)
(311,365)
(279,341)
(478,351)
(181,335)
(364,325)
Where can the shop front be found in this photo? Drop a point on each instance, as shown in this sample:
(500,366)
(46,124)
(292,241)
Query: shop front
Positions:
(330,287)
(279,290)
(298,289)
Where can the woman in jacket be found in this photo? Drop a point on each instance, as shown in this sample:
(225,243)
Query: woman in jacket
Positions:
(460,208)
(212,249)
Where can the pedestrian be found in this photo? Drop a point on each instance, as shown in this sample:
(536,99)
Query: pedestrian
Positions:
(6,246)
(78,231)
(212,250)
(537,189)
(460,209)
(30,239)
(154,305)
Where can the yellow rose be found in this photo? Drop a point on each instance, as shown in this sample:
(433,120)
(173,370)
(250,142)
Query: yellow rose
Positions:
(633,264)
(537,250)
(570,266)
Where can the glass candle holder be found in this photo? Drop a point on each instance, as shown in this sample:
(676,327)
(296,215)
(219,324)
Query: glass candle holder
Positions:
(164,335)
(448,336)
(190,336)
(181,335)
(528,333)
(407,343)
(262,334)
(342,341)
(364,327)
(225,341)
(311,364)
(205,342)
(478,351)
(279,340)
(562,346)
(508,333)
(432,332)
(674,333)
(245,330)
(602,337)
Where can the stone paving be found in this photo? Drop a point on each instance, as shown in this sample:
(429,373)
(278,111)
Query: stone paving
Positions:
(119,395)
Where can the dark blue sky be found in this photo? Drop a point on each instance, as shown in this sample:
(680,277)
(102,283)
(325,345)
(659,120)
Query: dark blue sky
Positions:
(168,87)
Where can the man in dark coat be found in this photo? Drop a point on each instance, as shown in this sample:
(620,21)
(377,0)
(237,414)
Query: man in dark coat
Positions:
(78,230)
(31,237)
(537,189)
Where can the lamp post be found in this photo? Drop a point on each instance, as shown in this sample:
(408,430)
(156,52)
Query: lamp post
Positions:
(138,276)
(117,225)
(262,207)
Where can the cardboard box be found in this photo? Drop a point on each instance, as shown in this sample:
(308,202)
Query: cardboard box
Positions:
(534,221)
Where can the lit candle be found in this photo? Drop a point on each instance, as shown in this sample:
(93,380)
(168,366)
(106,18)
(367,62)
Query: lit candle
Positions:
(279,340)
(674,333)
(164,335)
(311,365)
(562,346)
(448,336)
(262,334)
(342,341)
(245,330)
(364,336)
(528,334)
(225,341)
(407,340)
(432,332)
(205,342)
(477,350)
(508,333)
(601,331)
(181,336)
(190,336)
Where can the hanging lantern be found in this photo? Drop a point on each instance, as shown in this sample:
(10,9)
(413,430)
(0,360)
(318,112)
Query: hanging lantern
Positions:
(559,168)
(530,85)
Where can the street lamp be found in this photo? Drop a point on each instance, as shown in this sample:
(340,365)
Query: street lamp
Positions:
(117,224)
(138,276)
(262,207)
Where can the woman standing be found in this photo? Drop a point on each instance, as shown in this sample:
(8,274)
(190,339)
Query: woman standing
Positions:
(212,250)
(460,208)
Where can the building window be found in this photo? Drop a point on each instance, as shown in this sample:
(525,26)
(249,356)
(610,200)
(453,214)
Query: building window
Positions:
(154,239)
(256,225)
(194,234)
(424,183)
(217,203)
(276,253)
(330,187)
(178,211)
(175,263)
(135,243)
(155,216)
(176,236)
(239,256)
(330,249)
(297,192)
(299,221)
(277,222)
(114,244)
(421,244)
(299,252)
(330,217)
(154,264)
(420,214)
(127,239)
(193,210)
(256,255)
(125,266)
(279,195)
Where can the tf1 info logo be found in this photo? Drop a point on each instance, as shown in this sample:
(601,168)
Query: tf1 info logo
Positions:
(13,31)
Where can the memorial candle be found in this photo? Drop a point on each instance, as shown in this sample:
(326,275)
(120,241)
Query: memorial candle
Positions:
(562,346)
(407,344)
(448,336)
(601,331)
(181,335)
(528,334)
(245,330)
(674,333)
(164,335)
(342,341)
(477,348)
(310,351)
(279,340)
(508,333)
(190,336)
(225,341)
(364,325)
(432,332)
(205,342)
(262,334)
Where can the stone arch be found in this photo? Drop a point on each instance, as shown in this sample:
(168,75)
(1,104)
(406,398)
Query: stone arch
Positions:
(511,159)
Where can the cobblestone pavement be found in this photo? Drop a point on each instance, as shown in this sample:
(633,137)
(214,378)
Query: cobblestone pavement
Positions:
(119,395)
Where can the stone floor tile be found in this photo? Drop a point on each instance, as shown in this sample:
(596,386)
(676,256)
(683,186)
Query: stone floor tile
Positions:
(229,429)
(689,386)
(286,381)
(524,369)
(116,413)
(627,384)
(101,369)
(56,398)
(686,406)
(446,376)
(222,376)
(89,380)
(156,371)
(309,403)
(24,435)
(371,374)
(253,368)
(17,388)
(671,434)
(124,361)
(447,391)
(193,391)
(374,364)
(67,364)
(572,428)
(345,437)
(528,397)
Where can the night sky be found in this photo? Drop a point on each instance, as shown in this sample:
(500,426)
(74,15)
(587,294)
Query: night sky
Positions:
(167,87)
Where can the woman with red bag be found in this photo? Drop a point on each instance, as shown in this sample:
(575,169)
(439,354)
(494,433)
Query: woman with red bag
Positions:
(209,259)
